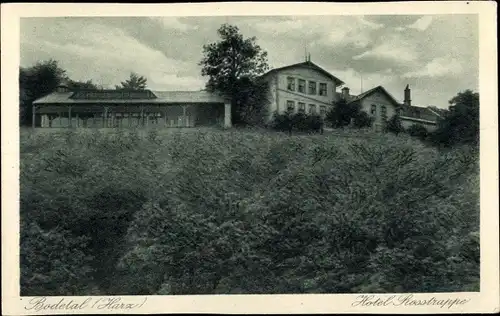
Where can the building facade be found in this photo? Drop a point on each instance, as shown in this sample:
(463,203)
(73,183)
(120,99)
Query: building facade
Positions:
(306,87)
(378,103)
(303,87)
(122,108)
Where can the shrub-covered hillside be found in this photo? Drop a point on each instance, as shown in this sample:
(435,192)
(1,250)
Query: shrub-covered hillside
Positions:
(205,212)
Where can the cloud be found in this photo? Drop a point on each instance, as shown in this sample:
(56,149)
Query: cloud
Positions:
(358,82)
(113,55)
(173,23)
(387,51)
(329,31)
(438,67)
(421,24)
(370,24)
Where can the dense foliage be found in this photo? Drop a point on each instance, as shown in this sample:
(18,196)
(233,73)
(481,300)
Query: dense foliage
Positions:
(344,114)
(244,212)
(36,82)
(233,66)
(394,125)
(418,130)
(460,124)
(134,82)
(362,120)
(39,80)
(297,122)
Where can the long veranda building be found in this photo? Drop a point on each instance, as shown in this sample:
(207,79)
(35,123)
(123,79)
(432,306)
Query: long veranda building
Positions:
(127,108)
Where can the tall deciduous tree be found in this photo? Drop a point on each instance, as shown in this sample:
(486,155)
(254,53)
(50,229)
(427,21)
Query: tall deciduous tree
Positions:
(35,82)
(134,82)
(461,123)
(342,113)
(233,65)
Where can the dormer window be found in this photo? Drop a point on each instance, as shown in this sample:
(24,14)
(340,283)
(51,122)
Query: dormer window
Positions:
(62,88)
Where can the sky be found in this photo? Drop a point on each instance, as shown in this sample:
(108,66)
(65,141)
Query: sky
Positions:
(437,55)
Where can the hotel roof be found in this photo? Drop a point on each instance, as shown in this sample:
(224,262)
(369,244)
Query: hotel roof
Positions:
(113,96)
(309,65)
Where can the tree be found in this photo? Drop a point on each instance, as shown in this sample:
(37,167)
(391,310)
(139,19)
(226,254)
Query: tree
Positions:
(36,82)
(363,120)
(394,125)
(231,62)
(342,113)
(418,130)
(250,101)
(135,82)
(83,85)
(461,123)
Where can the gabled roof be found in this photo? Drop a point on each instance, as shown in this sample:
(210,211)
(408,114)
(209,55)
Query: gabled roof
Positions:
(161,97)
(373,90)
(417,112)
(309,65)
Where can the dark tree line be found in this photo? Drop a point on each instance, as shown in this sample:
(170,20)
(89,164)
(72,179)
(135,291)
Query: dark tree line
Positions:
(459,124)
(43,78)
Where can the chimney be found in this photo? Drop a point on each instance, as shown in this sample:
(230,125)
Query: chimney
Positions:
(407,100)
(345,93)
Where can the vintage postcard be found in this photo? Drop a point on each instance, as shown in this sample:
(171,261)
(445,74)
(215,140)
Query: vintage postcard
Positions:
(255,158)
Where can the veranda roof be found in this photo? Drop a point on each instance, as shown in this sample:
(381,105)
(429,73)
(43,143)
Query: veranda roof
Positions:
(162,97)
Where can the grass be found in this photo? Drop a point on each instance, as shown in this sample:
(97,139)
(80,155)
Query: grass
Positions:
(199,211)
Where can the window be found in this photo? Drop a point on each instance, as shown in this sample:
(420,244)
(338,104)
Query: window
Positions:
(291,83)
(322,89)
(417,113)
(322,110)
(373,110)
(302,107)
(312,87)
(312,108)
(302,86)
(384,112)
(290,106)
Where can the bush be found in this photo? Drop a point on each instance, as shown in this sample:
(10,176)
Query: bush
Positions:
(259,213)
(299,122)
(417,130)
(393,125)
(363,120)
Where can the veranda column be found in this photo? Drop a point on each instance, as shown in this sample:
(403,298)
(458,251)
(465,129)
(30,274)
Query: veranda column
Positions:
(33,116)
(104,116)
(165,116)
(227,114)
(77,120)
(69,116)
(184,121)
(141,118)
